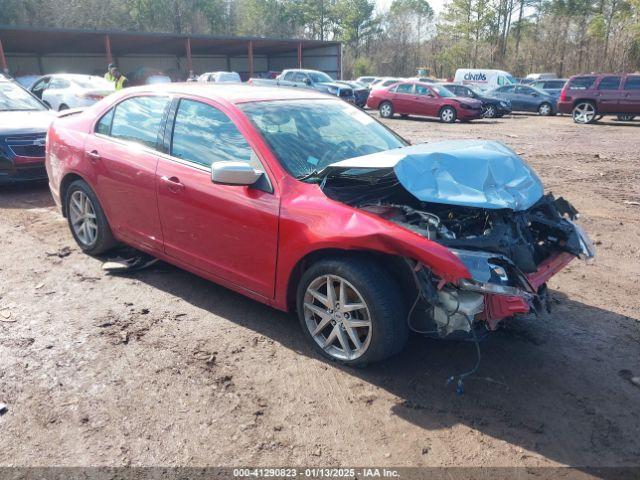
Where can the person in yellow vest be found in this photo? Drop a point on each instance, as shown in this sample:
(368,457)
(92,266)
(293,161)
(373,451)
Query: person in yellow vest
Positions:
(114,75)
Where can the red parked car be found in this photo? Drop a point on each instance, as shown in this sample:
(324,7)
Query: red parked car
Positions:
(590,97)
(428,100)
(308,204)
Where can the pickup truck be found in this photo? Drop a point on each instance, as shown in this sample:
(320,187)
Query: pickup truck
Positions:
(312,79)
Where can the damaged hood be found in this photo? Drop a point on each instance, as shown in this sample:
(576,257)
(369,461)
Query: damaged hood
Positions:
(472,173)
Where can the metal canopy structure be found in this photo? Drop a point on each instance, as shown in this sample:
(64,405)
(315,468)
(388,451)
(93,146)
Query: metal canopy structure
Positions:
(114,44)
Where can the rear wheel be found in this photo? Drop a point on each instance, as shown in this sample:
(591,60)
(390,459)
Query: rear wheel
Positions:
(448,115)
(626,117)
(386,110)
(545,109)
(63,107)
(584,112)
(352,311)
(87,220)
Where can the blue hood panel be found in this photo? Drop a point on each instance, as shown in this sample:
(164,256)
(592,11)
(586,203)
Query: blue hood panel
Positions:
(472,173)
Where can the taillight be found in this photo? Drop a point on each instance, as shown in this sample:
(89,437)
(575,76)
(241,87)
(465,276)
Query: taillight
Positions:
(563,93)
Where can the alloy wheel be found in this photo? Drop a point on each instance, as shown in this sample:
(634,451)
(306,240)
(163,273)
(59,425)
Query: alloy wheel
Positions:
(447,115)
(545,109)
(584,113)
(385,110)
(490,111)
(337,317)
(83,218)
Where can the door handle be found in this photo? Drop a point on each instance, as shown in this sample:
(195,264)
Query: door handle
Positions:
(93,156)
(173,184)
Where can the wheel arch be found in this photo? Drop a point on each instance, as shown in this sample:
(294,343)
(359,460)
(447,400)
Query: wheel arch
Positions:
(588,100)
(394,264)
(67,180)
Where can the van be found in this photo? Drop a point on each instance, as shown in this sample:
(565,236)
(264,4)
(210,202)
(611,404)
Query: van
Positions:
(483,79)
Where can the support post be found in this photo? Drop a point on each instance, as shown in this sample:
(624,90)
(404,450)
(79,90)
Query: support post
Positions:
(107,47)
(250,58)
(3,60)
(189,61)
(299,54)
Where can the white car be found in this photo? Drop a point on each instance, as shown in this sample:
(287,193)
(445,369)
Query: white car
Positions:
(219,77)
(384,82)
(62,91)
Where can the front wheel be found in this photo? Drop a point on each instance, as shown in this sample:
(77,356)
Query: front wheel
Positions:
(584,112)
(352,311)
(386,110)
(448,115)
(87,220)
(545,109)
(490,111)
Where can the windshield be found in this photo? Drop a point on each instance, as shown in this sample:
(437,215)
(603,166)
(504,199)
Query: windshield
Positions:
(92,82)
(443,92)
(319,77)
(14,98)
(511,79)
(306,136)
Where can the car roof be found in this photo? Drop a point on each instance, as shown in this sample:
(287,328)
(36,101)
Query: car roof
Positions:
(234,93)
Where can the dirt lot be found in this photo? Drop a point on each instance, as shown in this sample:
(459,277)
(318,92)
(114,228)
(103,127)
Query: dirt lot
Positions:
(163,368)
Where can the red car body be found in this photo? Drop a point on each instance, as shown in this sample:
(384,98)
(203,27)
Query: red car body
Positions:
(252,241)
(424,99)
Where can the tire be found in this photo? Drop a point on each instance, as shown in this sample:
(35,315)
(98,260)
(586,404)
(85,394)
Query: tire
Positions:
(358,282)
(490,112)
(95,237)
(625,117)
(584,112)
(448,115)
(63,107)
(386,110)
(545,109)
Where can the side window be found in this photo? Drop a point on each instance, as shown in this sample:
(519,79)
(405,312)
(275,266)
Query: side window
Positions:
(40,86)
(103,127)
(299,77)
(582,83)
(422,90)
(502,80)
(609,83)
(462,92)
(138,119)
(59,83)
(632,83)
(202,134)
(523,90)
(404,88)
(507,89)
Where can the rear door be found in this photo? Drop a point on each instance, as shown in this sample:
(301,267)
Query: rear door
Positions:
(608,94)
(227,231)
(123,151)
(630,100)
(404,100)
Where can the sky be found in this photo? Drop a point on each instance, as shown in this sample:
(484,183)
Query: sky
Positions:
(435,4)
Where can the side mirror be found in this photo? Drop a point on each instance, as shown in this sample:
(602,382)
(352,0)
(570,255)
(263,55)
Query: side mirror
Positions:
(234,173)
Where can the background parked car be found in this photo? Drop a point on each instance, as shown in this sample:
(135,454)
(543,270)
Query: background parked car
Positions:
(590,97)
(62,91)
(552,87)
(414,98)
(313,79)
(491,107)
(366,81)
(524,98)
(220,77)
(483,78)
(24,121)
(360,92)
(384,82)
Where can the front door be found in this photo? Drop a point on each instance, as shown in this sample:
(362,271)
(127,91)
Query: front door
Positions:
(229,231)
(124,157)
(630,100)
(427,100)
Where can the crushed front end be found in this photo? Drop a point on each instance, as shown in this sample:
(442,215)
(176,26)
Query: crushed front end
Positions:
(482,202)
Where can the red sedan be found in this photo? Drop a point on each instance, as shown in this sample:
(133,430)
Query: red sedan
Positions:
(248,187)
(428,100)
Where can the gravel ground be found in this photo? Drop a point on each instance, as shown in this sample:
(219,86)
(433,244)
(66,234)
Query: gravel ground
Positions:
(163,368)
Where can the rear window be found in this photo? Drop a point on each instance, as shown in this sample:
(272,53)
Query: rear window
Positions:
(404,88)
(632,83)
(138,119)
(609,83)
(582,83)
